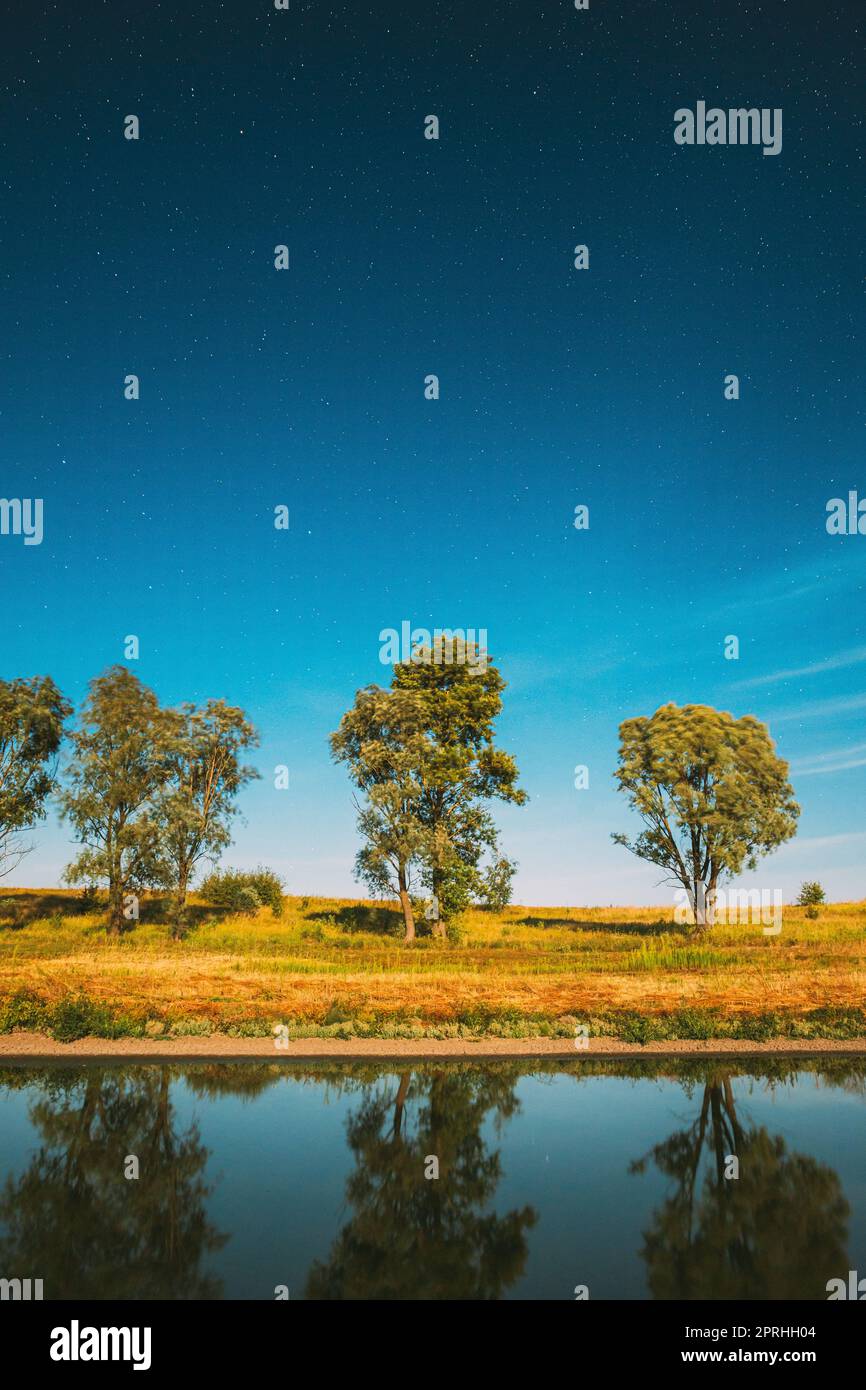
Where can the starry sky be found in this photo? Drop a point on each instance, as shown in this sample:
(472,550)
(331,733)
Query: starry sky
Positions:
(558,388)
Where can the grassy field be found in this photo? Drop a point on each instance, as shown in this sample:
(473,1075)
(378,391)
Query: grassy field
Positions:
(338,967)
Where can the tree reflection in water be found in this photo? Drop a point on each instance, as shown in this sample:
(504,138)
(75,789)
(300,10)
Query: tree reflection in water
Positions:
(71,1218)
(412,1237)
(778,1231)
(72,1215)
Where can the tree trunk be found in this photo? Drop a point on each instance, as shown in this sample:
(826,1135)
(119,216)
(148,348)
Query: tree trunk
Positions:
(406,905)
(711,905)
(115,904)
(179,922)
(703,916)
(438,926)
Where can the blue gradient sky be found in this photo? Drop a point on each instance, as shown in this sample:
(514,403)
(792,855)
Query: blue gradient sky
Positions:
(558,387)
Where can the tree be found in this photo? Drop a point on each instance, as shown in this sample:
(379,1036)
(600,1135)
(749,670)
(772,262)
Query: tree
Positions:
(381,741)
(811,896)
(459,695)
(120,760)
(496,884)
(31,728)
(195,805)
(712,793)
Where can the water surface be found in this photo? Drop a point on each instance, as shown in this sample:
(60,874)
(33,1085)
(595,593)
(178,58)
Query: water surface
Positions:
(320,1178)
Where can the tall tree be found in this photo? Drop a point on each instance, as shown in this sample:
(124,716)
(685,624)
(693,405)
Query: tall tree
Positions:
(31,728)
(196,802)
(459,696)
(119,762)
(380,739)
(712,792)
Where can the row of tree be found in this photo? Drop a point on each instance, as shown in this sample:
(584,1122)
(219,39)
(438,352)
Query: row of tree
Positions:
(151,791)
(711,791)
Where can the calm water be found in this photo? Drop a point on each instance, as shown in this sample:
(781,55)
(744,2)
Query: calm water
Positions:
(253,1176)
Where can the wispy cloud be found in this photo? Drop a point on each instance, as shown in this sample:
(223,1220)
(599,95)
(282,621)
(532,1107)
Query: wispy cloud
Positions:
(816,576)
(854,657)
(820,709)
(836,760)
(837,767)
(823,842)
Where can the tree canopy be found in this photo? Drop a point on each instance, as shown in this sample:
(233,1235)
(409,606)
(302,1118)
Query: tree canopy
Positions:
(196,800)
(424,757)
(118,763)
(31,728)
(712,792)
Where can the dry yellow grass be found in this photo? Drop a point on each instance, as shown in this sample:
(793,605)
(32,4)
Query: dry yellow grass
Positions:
(327,954)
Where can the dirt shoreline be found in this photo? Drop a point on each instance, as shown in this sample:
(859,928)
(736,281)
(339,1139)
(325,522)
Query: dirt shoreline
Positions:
(37,1047)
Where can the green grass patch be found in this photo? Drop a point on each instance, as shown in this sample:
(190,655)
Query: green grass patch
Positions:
(74,1016)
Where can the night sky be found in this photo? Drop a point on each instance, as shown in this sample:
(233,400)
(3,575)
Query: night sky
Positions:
(558,387)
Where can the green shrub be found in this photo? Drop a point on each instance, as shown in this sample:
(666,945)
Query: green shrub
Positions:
(237,891)
(75,1016)
(811,895)
(455,931)
(79,1017)
(22,1011)
(638,1028)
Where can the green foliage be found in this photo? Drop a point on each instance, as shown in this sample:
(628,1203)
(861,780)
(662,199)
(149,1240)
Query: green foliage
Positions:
(89,898)
(235,890)
(72,1017)
(455,931)
(80,1017)
(32,713)
(196,801)
(711,791)
(422,755)
(458,696)
(496,884)
(151,791)
(811,895)
(380,741)
(117,767)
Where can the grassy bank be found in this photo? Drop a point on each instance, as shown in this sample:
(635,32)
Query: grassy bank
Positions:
(332,967)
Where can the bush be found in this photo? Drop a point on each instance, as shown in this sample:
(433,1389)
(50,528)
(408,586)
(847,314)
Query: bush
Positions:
(455,931)
(236,891)
(269,887)
(811,894)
